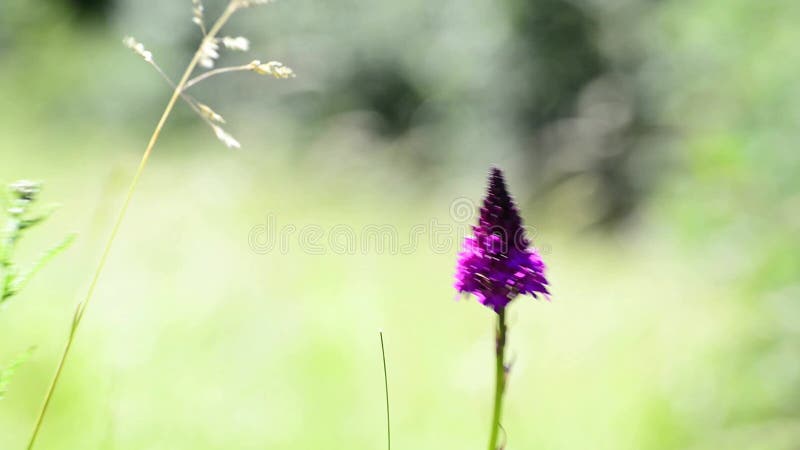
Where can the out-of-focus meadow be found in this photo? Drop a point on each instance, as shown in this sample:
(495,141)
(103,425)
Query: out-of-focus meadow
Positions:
(652,145)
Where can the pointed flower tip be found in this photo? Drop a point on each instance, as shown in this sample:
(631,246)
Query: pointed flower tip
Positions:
(496,175)
(497,181)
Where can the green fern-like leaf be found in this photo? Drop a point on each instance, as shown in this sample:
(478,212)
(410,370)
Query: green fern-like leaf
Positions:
(22,279)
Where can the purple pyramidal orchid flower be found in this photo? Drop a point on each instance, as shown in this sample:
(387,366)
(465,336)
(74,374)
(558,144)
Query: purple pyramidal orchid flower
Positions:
(497,262)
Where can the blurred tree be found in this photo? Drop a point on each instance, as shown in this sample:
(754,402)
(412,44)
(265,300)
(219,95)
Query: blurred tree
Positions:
(382,88)
(556,48)
(574,109)
(90,9)
(577,110)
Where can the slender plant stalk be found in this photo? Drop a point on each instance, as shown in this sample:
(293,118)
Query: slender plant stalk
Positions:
(386,389)
(214,72)
(81,308)
(500,378)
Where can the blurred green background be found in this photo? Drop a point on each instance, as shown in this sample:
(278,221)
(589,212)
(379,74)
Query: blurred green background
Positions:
(652,145)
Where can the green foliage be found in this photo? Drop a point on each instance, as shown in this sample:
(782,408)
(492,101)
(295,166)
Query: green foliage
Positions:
(20,218)
(21,197)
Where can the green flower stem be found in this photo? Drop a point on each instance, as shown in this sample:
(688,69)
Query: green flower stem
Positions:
(81,308)
(10,236)
(500,378)
(386,389)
